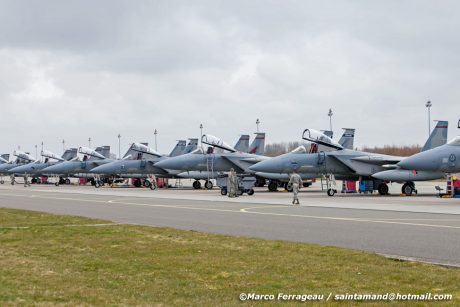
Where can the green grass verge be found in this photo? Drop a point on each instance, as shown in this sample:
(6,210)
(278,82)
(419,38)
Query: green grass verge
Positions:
(50,263)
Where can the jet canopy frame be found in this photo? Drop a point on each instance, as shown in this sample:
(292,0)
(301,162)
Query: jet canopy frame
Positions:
(317,137)
(145,149)
(90,152)
(24,156)
(50,155)
(216,142)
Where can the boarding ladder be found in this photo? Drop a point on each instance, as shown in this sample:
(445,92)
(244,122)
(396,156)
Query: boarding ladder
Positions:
(178,183)
(210,166)
(450,185)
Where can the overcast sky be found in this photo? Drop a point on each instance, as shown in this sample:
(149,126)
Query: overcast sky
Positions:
(77,69)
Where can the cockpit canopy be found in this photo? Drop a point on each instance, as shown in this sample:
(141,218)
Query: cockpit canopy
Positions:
(216,142)
(49,154)
(23,156)
(144,149)
(90,152)
(317,137)
(455,141)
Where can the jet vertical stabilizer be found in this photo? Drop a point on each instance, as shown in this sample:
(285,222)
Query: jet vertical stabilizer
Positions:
(348,137)
(243,143)
(191,146)
(438,136)
(257,146)
(70,153)
(179,149)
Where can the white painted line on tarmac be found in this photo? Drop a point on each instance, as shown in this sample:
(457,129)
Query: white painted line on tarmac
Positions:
(245,211)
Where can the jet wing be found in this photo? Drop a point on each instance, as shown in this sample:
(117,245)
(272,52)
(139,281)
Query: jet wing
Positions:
(241,165)
(365,164)
(378,159)
(157,170)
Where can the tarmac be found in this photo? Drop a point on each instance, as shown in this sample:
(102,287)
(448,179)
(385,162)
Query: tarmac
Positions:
(423,228)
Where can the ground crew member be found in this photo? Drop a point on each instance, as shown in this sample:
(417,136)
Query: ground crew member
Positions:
(153,182)
(12,179)
(296,182)
(231,183)
(26,181)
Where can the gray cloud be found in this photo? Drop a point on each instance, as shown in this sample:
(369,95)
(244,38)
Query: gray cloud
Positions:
(74,69)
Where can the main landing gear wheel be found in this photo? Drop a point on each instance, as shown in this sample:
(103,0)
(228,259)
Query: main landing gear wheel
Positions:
(147,184)
(408,188)
(196,185)
(273,186)
(331,192)
(251,192)
(208,184)
(383,189)
(223,191)
(239,192)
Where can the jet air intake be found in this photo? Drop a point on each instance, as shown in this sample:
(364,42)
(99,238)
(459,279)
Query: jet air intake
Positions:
(49,154)
(90,152)
(317,137)
(216,142)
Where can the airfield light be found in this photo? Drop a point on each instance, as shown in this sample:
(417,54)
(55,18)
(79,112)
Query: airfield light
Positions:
(428,105)
(201,134)
(119,146)
(330,118)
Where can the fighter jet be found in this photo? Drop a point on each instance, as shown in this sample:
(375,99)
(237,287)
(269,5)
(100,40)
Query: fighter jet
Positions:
(81,168)
(144,162)
(242,145)
(3,159)
(211,162)
(280,179)
(343,163)
(35,169)
(22,158)
(433,163)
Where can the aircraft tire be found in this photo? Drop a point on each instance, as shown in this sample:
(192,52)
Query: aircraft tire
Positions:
(330,192)
(239,192)
(273,186)
(147,184)
(137,183)
(407,188)
(67,181)
(197,185)
(383,189)
(288,187)
(208,184)
(2,181)
(251,192)
(223,191)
